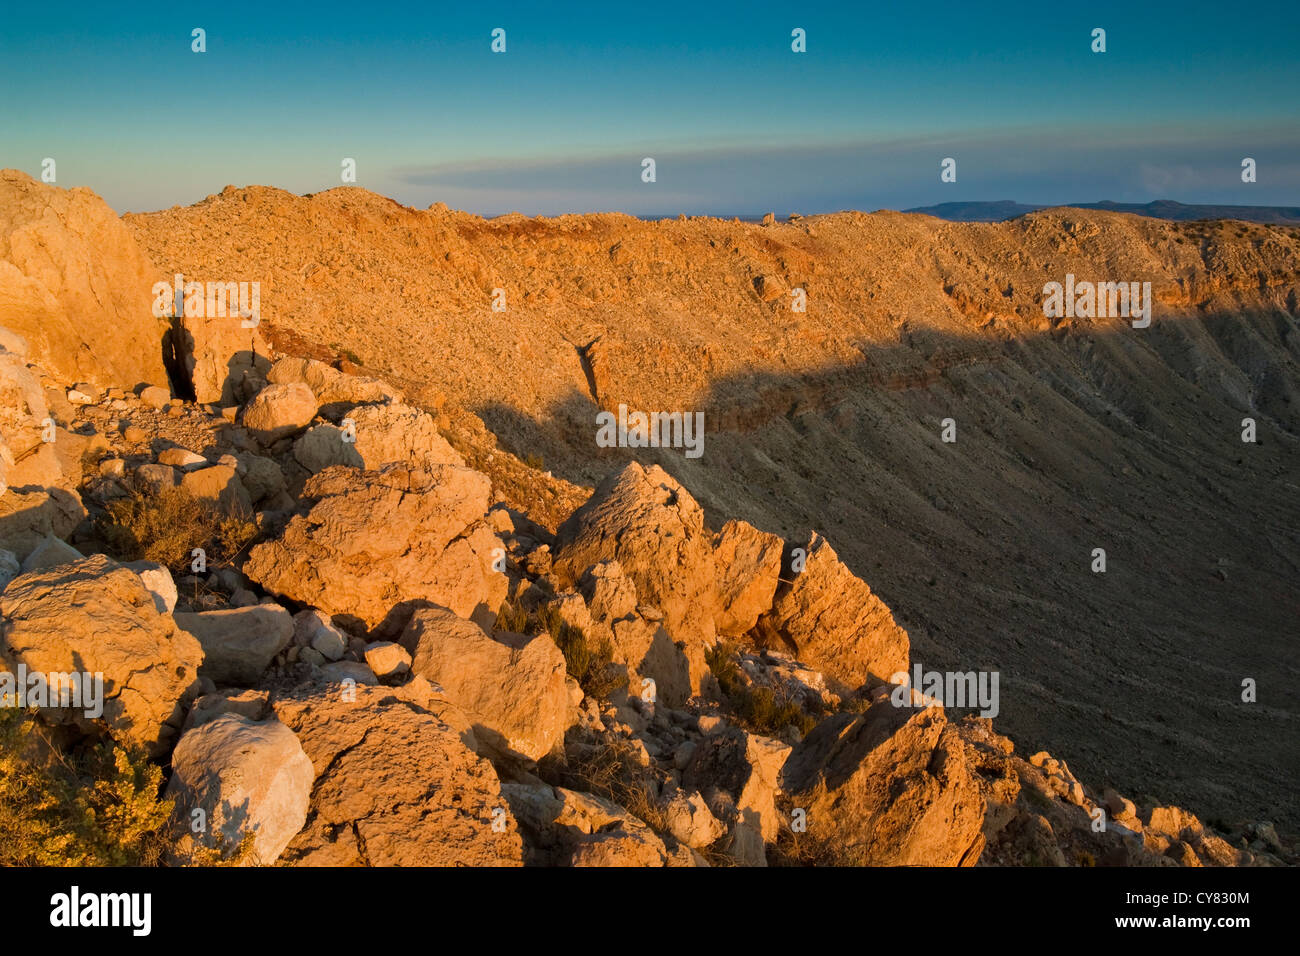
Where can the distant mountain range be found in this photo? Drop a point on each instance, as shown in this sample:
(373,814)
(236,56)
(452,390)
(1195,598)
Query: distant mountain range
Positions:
(1160,209)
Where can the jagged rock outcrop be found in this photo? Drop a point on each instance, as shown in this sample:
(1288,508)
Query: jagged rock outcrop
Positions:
(76,286)
(569,828)
(748,565)
(372,540)
(889,787)
(647,522)
(833,621)
(97,616)
(225,361)
(739,774)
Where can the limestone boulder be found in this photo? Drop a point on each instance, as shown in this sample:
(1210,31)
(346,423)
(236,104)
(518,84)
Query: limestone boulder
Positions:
(261,477)
(386,434)
(370,541)
(395,783)
(323,446)
(511,686)
(690,820)
(219,485)
(97,616)
(75,285)
(247,777)
(10,567)
(741,773)
(240,643)
(566,827)
(226,361)
(51,553)
(748,563)
(29,517)
(25,457)
(609,593)
(278,411)
(334,390)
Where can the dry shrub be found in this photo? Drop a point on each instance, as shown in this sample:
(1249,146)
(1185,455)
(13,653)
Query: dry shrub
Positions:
(614,772)
(760,710)
(592,666)
(167,524)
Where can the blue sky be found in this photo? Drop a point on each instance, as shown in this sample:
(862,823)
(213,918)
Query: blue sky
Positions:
(737,122)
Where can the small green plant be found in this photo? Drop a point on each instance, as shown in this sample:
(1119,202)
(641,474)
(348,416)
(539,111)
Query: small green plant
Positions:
(535,461)
(167,524)
(97,806)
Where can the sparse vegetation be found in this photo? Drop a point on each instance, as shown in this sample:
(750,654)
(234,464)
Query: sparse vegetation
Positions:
(611,771)
(806,848)
(758,709)
(166,525)
(591,666)
(99,806)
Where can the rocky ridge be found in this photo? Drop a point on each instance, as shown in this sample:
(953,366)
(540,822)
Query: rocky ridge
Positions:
(400,665)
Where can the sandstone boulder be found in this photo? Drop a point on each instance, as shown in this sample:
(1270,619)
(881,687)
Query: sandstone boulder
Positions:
(650,653)
(690,821)
(246,777)
(97,616)
(181,458)
(389,661)
(609,593)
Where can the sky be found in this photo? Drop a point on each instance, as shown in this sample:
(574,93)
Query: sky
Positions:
(735,120)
